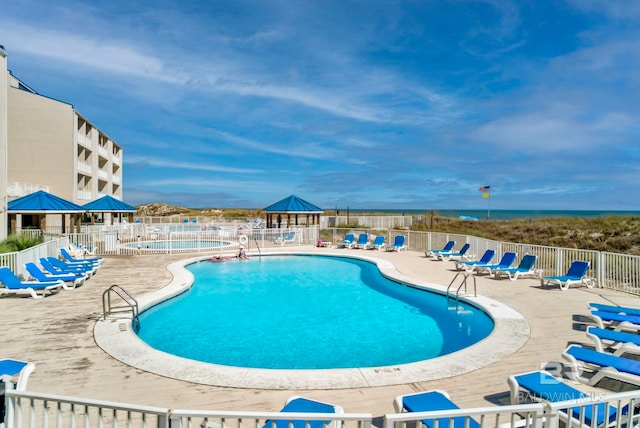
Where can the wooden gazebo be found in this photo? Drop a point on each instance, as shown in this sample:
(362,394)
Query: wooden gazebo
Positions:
(290,207)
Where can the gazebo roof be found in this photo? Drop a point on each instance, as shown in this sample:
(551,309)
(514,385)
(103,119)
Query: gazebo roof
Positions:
(42,202)
(294,205)
(108,203)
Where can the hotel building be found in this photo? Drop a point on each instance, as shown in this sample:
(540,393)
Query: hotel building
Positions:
(3,143)
(50,146)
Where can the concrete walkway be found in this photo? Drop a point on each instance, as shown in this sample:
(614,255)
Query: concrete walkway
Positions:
(57,334)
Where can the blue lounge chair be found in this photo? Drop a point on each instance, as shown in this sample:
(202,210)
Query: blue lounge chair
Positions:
(76,280)
(622,341)
(468,265)
(613,308)
(398,244)
(505,263)
(10,368)
(69,258)
(349,240)
(298,404)
(36,289)
(458,255)
(525,268)
(288,238)
(604,365)
(362,242)
(542,386)
(55,266)
(378,243)
(447,248)
(615,320)
(432,401)
(575,275)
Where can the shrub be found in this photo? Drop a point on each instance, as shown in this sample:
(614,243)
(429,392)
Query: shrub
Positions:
(18,243)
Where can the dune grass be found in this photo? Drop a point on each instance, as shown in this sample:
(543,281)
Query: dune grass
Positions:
(616,234)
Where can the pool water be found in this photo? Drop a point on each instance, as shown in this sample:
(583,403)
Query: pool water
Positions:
(307,312)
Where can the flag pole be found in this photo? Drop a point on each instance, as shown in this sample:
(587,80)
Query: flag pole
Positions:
(486,193)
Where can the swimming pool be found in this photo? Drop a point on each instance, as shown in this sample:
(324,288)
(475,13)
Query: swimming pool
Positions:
(115,336)
(308,312)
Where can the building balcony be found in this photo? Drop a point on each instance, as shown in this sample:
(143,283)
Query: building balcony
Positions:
(17,190)
(103,152)
(116,179)
(84,167)
(103,174)
(84,195)
(85,141)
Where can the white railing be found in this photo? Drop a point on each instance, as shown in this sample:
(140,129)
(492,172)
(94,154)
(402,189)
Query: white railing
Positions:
(103,152)
(28,409)
(16,189)
(619,272)
(103,174)
(140,238)
(16,260)
(375,222)
(116,159)
(529,415)
(85,140)
(623,405)
(115,179)
(84,167)
(84,195)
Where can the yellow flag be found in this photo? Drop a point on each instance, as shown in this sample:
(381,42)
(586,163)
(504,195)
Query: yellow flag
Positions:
(485,195)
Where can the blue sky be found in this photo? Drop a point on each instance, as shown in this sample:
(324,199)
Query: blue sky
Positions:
(366,104)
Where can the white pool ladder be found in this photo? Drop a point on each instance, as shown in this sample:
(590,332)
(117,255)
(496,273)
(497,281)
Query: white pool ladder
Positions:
(128,304)
(463,283)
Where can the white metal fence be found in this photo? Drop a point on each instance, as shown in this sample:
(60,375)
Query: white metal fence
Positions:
(30,409)
(375,222)
(16,260)
(619,272)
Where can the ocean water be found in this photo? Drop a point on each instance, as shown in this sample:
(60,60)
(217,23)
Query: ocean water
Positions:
(493,214)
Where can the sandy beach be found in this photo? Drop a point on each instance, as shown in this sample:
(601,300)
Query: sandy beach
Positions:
(57,334)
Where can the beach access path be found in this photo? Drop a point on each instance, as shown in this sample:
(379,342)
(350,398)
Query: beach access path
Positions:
(56,333)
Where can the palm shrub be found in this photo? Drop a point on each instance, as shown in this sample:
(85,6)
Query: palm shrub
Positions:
(18,243)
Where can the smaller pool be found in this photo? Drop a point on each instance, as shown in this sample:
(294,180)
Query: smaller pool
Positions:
(179,244)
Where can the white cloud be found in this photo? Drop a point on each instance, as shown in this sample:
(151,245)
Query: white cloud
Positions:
(79,49)
(177,164)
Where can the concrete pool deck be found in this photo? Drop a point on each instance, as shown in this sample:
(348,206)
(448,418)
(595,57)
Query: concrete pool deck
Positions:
(116,337)
(57,334)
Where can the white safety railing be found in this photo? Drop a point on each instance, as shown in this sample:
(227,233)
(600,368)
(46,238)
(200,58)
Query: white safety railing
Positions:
(29,409)
(619,272)
(530,415)
(375,222)
(16,189)
(622,410)
(16,260)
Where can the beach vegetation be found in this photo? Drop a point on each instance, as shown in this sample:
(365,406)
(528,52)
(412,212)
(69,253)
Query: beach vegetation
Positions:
(20,242)
(616,234)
